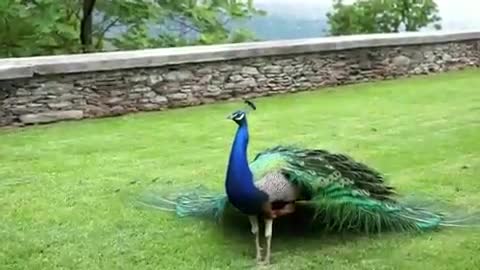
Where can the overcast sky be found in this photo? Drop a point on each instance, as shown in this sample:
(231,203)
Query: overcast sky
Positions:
(456,14)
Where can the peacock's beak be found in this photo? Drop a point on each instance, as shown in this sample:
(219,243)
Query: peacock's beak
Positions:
(230,116)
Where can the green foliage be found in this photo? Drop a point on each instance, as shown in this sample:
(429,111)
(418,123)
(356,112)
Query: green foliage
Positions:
(382,16)
(42,27)
(189,22)
(38,27)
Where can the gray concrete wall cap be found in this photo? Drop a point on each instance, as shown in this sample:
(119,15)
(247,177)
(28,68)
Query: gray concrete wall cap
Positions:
(11,68)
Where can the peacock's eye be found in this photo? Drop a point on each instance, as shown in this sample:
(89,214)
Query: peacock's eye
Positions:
(239,116)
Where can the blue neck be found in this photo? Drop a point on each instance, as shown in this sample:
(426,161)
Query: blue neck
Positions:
(239,180)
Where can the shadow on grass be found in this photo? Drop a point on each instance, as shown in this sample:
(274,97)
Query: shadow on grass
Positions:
(297,231)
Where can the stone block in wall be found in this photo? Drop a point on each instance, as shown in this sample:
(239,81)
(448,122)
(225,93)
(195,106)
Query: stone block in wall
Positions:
(49,117)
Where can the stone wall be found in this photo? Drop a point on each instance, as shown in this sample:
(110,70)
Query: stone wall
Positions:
(71,93)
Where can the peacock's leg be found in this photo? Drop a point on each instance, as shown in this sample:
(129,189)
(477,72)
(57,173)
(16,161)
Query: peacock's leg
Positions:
(268,236)
(255,231)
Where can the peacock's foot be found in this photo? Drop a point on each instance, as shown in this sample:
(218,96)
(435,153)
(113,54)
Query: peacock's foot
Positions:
(264,262)
(261,261)
(259,255)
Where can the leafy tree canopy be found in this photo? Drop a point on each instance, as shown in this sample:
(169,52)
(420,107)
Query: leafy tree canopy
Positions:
(43,27)
(382,16)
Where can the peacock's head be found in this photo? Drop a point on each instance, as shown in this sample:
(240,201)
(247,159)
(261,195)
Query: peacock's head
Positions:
(239,116)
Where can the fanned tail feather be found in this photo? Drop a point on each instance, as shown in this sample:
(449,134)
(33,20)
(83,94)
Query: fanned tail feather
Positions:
(452,216)
(372,216)
(193,201)
(344,194)
(346,213)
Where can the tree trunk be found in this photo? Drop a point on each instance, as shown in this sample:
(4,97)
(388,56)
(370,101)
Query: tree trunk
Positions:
(406,16)
(86,25)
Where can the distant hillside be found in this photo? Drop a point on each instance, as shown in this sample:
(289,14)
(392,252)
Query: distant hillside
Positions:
(287,19)
(276,27)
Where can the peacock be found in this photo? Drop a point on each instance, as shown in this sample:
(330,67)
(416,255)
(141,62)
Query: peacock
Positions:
(343,193)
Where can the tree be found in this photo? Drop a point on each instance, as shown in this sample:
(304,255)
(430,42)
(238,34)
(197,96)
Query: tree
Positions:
(86,24)
(43,27)
(382,16)
(38,27)
(188,22)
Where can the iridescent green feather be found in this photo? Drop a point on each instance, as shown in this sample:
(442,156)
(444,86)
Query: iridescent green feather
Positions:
(344,194)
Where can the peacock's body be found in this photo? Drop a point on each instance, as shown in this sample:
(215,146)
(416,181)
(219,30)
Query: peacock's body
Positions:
(343,193)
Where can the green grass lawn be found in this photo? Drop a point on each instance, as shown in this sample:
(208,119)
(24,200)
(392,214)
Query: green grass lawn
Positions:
(66,189)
